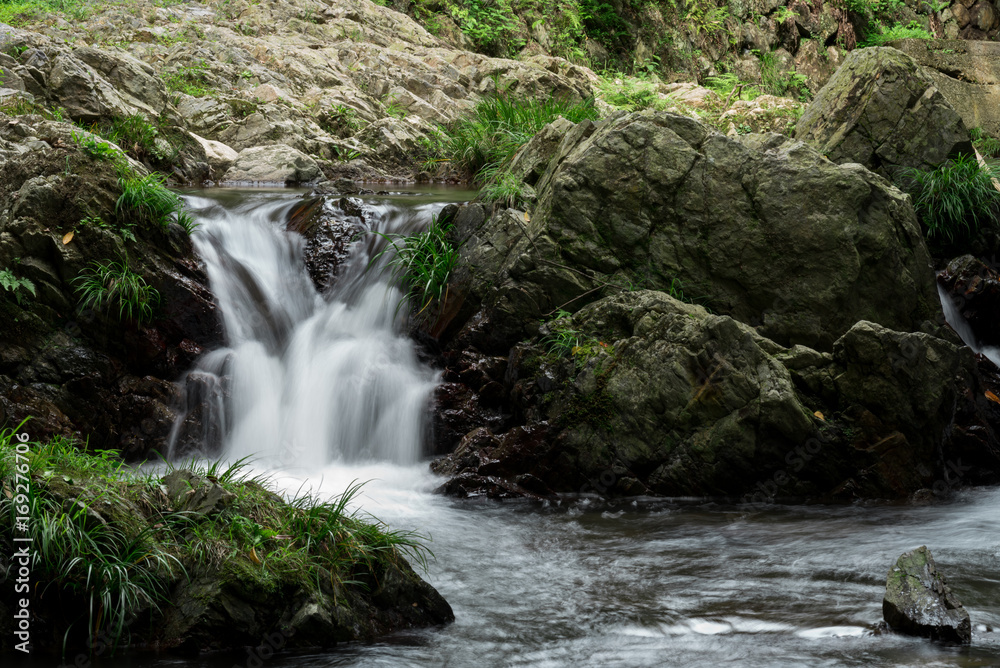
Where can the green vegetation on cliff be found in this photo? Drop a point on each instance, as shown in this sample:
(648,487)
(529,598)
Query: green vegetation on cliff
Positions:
(955,199)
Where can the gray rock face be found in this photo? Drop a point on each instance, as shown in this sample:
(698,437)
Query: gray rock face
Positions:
(273,164)
(918,602)
(765,230)
(966,72)
(881,110)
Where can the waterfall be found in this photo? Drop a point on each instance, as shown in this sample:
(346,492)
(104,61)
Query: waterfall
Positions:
(304,378)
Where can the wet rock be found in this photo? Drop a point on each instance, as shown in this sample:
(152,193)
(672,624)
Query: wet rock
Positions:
(278,164)
(974,288)
(875,111)
(919,602)
(329,229)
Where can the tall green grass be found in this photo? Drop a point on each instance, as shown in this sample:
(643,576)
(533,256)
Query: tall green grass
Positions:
(483,144)
(107,285)
(148,198)
(422,262)
(955,199)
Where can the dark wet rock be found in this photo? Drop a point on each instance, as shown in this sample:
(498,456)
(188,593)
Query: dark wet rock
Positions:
(876,111)
(919,602)
(659,201)
(974,289)
(83,372)
(661,397)
(329,228)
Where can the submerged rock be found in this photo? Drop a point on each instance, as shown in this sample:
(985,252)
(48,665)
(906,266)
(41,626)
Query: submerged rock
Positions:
(880,109)
(918,602)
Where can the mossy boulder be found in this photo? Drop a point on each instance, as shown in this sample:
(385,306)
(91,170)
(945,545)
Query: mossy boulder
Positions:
(765,230)
(880,109)
(919,602)
(200,560)
(639,393)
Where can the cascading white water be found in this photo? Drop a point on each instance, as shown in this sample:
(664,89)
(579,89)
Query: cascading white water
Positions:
(304,379)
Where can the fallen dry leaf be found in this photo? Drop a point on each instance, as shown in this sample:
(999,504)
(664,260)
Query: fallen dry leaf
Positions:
(68,237)
(992,397)
(819,415)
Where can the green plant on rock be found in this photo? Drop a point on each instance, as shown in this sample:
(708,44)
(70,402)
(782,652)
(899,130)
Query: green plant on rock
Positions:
(490,24)
(956,199)
(422,262)
(563,341)
(107,285)
(500,125)
(879,35)
(95,148)
(18,287)
(988,146)
(189,79)
(148,199)
(125,230)
(505,189)
(134,134)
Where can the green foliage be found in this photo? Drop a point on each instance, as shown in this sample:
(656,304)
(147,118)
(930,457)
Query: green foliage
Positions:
(490,24)
(16,286)
(134,134)
(148,199)
(189,79)
(500,125)
(785,83)
(339,120)
(628,93)
(108,570)
(106,285)
(20,13)
(955,199)
(95,148)
(124,229)
(988,146)
(422,262)
(564,341)
(505,189)
(880,35)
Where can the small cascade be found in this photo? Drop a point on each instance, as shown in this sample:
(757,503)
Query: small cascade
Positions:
(305,378)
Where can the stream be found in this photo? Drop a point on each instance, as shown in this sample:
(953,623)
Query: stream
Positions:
(325,390)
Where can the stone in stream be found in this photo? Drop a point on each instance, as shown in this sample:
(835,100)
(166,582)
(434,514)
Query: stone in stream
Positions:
(918,602)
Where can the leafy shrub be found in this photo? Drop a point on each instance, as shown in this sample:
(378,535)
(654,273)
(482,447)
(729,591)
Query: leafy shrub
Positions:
(955,199)
(490,24)
(880,35)
(16,286)
(105,285)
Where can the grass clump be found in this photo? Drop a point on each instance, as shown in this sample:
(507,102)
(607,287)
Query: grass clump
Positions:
(147,198)
(112,546)
(988,146)
(501,124)
(106,285)
(880,35)
(955,199)
(563,341)
(136,135)
(422,262)
(20,13)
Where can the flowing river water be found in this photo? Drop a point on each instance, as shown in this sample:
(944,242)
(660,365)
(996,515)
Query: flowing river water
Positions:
(324,390)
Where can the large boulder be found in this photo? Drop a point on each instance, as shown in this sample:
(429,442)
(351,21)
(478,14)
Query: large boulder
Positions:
(919,602)
(277,164)
(966,72)
(881,110)
(639,393)
(764,229)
